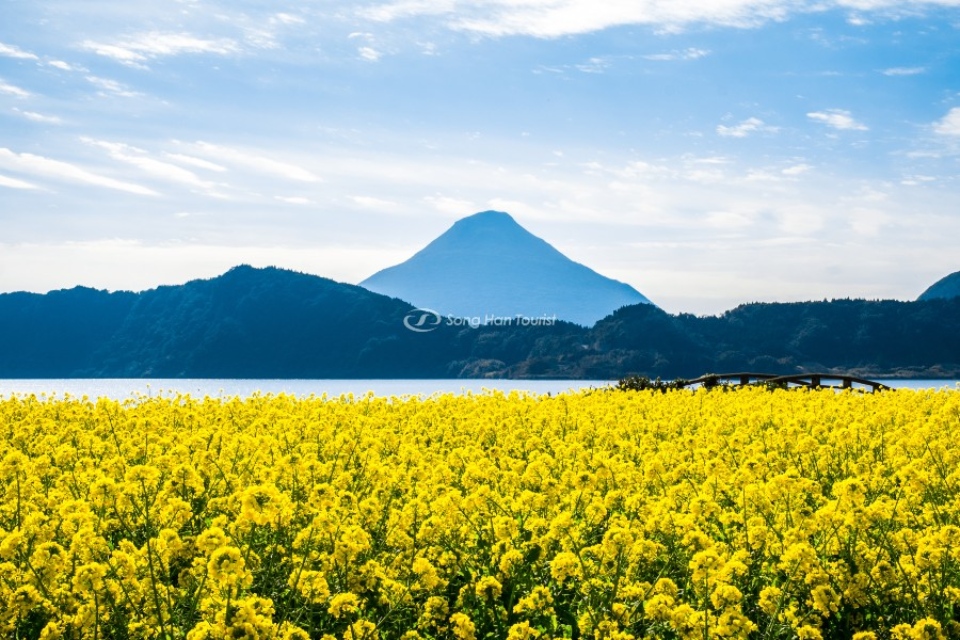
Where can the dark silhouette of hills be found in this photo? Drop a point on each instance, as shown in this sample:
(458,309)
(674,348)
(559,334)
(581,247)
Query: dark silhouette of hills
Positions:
(56,334)
(263,323)
(488,265)
(946,287)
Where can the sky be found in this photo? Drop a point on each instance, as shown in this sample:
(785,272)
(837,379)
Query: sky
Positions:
(709,153)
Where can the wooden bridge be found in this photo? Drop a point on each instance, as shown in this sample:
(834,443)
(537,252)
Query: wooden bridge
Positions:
(811,380)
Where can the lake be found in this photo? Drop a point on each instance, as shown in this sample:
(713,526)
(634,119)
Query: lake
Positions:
(121,389)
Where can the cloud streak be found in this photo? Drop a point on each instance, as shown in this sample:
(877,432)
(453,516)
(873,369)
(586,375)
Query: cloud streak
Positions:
(11,51)
(13,90)
(745,128)
(691,53)
(557,18)
(138,49)
(839,119)
(58,170)
(13,183)
(156,168)
(949,125)
(256,162)
(33,116)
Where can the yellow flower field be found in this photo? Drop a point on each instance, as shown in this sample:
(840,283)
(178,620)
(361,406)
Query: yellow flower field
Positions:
(687,514)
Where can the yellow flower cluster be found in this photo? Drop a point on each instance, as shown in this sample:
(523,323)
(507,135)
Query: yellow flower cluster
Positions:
(608,515)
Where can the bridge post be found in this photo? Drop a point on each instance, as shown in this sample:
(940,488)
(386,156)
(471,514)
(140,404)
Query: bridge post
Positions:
(847,382)
(744,380)
(815,381)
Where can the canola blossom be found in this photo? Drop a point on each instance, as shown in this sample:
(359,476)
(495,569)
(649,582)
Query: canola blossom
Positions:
(688,514)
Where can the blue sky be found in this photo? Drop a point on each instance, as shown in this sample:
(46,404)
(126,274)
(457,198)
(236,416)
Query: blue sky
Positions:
(709,153)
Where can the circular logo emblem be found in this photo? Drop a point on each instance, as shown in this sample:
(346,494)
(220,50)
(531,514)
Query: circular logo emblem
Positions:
(422,320)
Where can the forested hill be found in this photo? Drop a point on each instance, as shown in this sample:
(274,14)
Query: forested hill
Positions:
(263,323)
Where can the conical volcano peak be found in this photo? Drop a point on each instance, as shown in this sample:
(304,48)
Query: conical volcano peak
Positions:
(490,215)
(487,265)
(485,232)
(488,220)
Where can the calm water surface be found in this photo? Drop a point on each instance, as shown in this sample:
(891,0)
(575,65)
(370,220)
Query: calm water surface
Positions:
(127,388)
(121,389)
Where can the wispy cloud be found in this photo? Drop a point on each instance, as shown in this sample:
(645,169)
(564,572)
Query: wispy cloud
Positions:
(63,66)
(691,53)
(256,162)
(949,125)
(297,200)
(796,170)
(594,65)
(369,53)
(140,48)
(196,162)
(838,119)
(108,86)
(745,128)
(39,117)
(156,168)
(58,170)
(13,183)
(904,71)
(11,51)
(558,18)
(13,90)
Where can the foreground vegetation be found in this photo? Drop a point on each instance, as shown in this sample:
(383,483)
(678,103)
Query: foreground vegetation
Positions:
(685,514)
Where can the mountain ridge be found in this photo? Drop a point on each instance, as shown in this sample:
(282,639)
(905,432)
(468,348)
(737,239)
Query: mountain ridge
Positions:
(946,287)
(277,323)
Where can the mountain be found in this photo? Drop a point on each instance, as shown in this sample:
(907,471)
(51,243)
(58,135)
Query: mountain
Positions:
(56,334)
(946,287)
(245,323)
(275,323)
(487,265)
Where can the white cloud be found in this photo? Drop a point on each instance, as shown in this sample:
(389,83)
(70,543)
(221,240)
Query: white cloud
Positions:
(838,119)
(745,128)
(256,161)
(137,49)
(904,71)
(557,18)
(299,200)
(196,162)
(113,87)
(55,169)
(163,170)
(39,117)
(949,125)
(369,53)
(286,19)
(408,8)
(796,169)
(11,51)
(550,19)
(13,183)
(451,206)
(594,65)
(63,66)
(12,90)
(691,53)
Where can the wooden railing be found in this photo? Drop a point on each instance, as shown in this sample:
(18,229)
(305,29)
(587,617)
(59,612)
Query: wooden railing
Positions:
(813,380)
